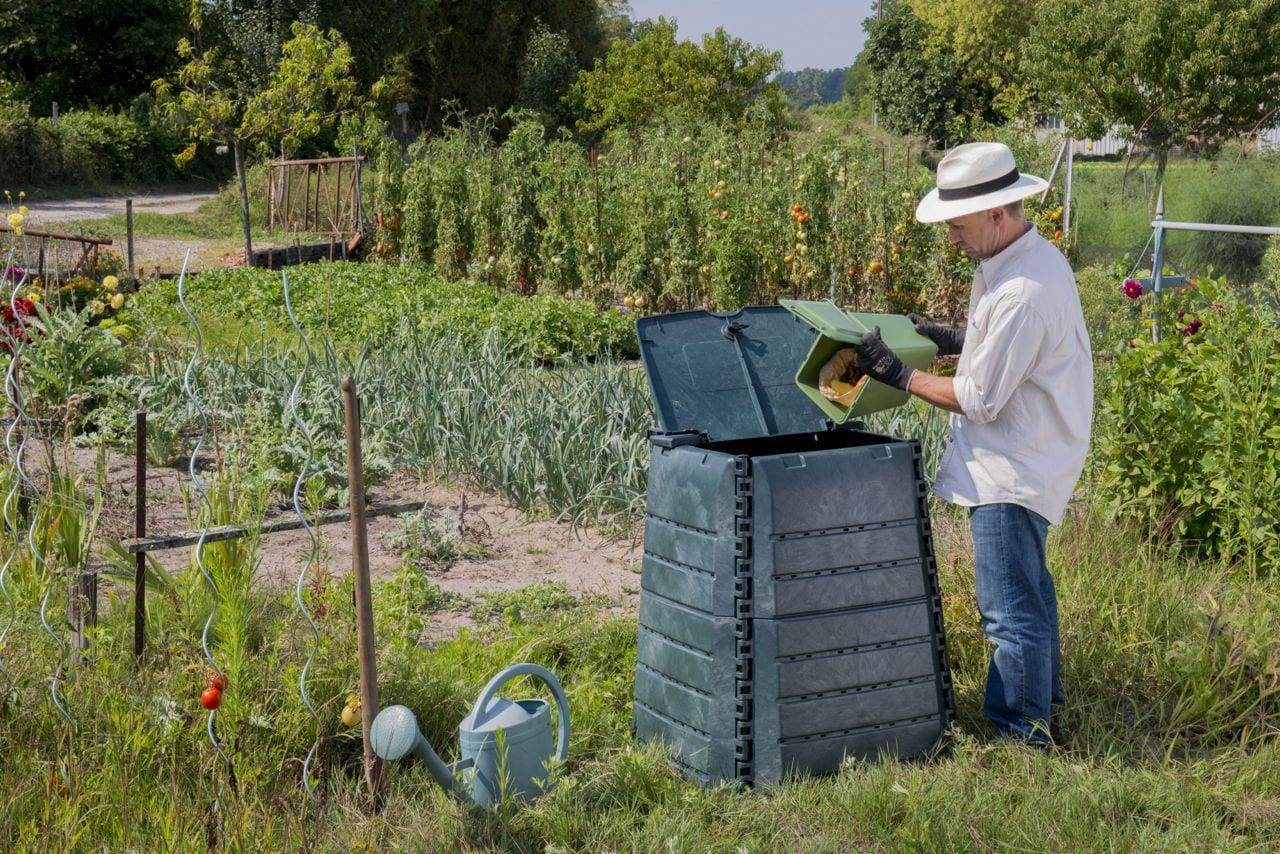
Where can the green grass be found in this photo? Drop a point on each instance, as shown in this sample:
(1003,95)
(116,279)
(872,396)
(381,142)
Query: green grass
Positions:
(1112,216)
(1169,665)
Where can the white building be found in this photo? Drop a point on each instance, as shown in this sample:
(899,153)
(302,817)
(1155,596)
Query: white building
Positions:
(1113,143)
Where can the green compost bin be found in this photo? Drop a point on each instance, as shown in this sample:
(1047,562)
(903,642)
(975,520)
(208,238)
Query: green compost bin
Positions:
(836,330)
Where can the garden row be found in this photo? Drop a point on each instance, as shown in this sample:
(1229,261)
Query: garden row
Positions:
(677,216)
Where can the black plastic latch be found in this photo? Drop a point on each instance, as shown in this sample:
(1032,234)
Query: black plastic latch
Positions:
(676,440)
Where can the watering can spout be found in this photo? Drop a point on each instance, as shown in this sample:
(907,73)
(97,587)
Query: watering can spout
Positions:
(395,734)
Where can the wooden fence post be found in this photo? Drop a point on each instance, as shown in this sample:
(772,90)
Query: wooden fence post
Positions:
(128,226)
(365,642)
(140,530)
(82,612)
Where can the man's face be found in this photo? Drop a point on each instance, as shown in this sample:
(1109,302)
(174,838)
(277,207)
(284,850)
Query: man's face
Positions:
(978,235)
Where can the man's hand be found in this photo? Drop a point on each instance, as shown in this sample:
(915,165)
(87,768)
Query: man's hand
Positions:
(950,341)
(881,363)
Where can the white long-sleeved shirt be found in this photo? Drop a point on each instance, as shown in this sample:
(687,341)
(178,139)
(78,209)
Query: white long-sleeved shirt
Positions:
(1024,382)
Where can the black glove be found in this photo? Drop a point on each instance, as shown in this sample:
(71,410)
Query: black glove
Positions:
(950,341)
(881,363)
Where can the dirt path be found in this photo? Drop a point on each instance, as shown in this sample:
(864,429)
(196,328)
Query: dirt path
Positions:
(514,551)
(99,207)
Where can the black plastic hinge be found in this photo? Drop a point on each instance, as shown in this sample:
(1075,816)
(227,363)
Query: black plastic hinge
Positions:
(677,439)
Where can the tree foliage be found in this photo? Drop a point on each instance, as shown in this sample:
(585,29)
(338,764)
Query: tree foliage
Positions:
(87,52)
(656,75)
(547,75)
(1167,72)
(809,87)
(225,94)
(915,91)
(985,40)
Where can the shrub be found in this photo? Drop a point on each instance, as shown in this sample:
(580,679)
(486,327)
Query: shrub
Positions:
(1190,434)
(1109,315)
(91,147)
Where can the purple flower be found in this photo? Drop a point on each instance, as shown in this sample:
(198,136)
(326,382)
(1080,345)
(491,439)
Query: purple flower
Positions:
(1192,328)
(1182,312)
(13,274)
(1132,288)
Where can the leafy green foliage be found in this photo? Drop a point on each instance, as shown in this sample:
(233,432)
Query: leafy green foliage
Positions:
(547,75)
(1168,72)
(680,215)
(361,304)
(984,41)
(244,91)
(1191,443)
(91,147)
(67,364)
(87,53)
(809,87)
(915,91)
(653,75)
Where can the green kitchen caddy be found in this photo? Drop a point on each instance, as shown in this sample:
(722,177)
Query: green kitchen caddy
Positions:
(838,330)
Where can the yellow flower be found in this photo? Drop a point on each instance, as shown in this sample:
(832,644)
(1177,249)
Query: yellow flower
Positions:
(15,221)
(22,209)
(117,300)
(96,306)
(35,296)
(110,283)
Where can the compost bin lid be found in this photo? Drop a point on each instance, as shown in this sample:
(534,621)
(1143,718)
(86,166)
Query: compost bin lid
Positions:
(731,376)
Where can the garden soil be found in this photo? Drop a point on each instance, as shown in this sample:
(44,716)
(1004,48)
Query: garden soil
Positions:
(518,551)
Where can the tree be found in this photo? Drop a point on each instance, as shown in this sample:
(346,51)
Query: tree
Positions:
(858,85)
(655,75)
(809,87)
(87,52)
(915,91)
(235,90)
(1167,72)
(470,54)
(547,75)
(985,40)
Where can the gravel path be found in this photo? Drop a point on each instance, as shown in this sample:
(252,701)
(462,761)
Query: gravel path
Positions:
(98,207)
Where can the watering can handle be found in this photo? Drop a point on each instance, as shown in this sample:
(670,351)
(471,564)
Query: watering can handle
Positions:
(562,702)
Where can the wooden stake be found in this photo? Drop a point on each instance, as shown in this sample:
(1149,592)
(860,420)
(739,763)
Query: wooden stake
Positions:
(140,531)
(366,645)
(128,227)
(82,612)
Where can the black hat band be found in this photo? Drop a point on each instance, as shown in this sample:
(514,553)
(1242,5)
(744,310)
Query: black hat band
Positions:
(975,190)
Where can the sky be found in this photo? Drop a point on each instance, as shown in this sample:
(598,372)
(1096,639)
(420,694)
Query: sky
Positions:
(810,33)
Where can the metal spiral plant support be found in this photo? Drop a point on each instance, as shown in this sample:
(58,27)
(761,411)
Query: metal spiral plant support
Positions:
(205,506)
(11,524)
(14,394)
(314,553)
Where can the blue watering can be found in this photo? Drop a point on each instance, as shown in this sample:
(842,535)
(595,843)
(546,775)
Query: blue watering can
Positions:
(506,745)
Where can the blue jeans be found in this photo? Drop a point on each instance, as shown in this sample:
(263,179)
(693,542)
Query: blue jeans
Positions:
(1019,609)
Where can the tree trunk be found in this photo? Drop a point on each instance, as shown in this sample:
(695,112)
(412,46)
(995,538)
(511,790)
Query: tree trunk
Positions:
(238,148)
(1162,160)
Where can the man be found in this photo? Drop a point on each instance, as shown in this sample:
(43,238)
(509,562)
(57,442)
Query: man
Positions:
(1021,403)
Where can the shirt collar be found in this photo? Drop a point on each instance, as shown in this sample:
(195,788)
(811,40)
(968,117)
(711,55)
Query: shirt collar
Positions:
(995,268)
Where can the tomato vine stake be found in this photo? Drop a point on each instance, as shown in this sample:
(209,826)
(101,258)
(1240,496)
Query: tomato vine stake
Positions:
(207,509)
(313,556)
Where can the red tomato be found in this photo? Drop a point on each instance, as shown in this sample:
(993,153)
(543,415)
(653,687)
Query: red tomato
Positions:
(217,681)
(211,698)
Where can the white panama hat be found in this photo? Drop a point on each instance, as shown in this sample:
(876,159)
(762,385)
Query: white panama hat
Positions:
(976,176)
